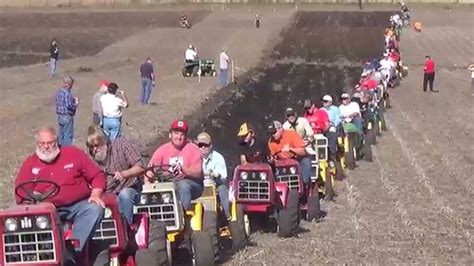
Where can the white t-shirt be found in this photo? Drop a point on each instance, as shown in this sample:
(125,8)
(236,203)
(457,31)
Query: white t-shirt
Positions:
(112,105)
(190,54)
(223,61)
(386,64)
(347,110)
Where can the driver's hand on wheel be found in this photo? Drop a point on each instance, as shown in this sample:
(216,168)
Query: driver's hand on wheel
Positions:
(97,200)
(148,176)
(285,148)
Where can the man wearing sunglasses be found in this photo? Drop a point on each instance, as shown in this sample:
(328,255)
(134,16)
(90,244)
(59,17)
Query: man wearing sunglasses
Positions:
(124,162)
(214,169)
(185,160)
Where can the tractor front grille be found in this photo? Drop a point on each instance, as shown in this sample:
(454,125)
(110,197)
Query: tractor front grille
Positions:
(254,190)
(28,247)
(292,181)
(107,232)
(161,212)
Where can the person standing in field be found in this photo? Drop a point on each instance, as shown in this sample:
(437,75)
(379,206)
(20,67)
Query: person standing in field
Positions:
(66,105)
(429,73)
(147,74)
(113,103)
(96,105)
(53,58)
(471,69)
(224,62)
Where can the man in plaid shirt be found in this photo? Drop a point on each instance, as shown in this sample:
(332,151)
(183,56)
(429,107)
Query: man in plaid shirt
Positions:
(66,105)
(123,165)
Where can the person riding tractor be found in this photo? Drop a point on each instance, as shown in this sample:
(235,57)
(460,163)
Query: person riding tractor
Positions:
(350,111)
(191,55)
(300,125)
(71,181)
(287,144)
(185,161)
(318,118)
(251,149)
(335,124)
(184,22)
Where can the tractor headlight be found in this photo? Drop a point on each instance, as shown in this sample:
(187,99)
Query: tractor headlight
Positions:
(166,197)
(263,176)
(11,225)
(244,175)
(107,213)
(42,222)
(293,170)
(143,199)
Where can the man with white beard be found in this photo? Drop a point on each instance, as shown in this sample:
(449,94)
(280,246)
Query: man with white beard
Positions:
(124,166)
(81,184)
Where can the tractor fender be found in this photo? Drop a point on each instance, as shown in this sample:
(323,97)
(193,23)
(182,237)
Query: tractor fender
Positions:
(282,191)
(142,224)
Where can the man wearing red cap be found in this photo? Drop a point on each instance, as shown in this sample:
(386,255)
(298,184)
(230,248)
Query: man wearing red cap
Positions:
(96,106)
(184,159)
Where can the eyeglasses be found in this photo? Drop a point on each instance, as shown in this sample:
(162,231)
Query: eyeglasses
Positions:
(201,145)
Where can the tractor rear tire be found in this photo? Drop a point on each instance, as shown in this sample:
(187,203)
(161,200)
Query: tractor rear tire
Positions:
(203,252)
(339,171)
(159,250)
(367,151)
(328,186)
(237,230)
(314,208)
(184,72)
(377,129)
(102,259)
(349,155)
(371,138)
(288,218)
(195,71)
(210,226)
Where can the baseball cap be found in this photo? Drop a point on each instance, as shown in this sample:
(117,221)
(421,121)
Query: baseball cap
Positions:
(307,103)
(203,137)
(104,83)
(345,96)
(290,111)
(327,98)
(179,125)
(244,129)
(273,127)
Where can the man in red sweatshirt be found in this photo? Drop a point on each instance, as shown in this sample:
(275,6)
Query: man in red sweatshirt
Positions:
(81,183)
(429,75)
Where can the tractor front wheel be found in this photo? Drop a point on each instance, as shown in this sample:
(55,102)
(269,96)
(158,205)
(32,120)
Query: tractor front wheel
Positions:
(210,226)
(202,249)
(159,248)
(238,230)
(288,218)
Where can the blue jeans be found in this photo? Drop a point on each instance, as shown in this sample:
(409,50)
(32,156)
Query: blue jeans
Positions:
(146,90)
(85,217)
(53,63)
(188,190)
(223,76)
(127,198)
(66,129)
(223,192)
(305,167)
(112,126)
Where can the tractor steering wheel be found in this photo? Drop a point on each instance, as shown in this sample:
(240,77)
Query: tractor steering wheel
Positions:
(162,173)
(35,196)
